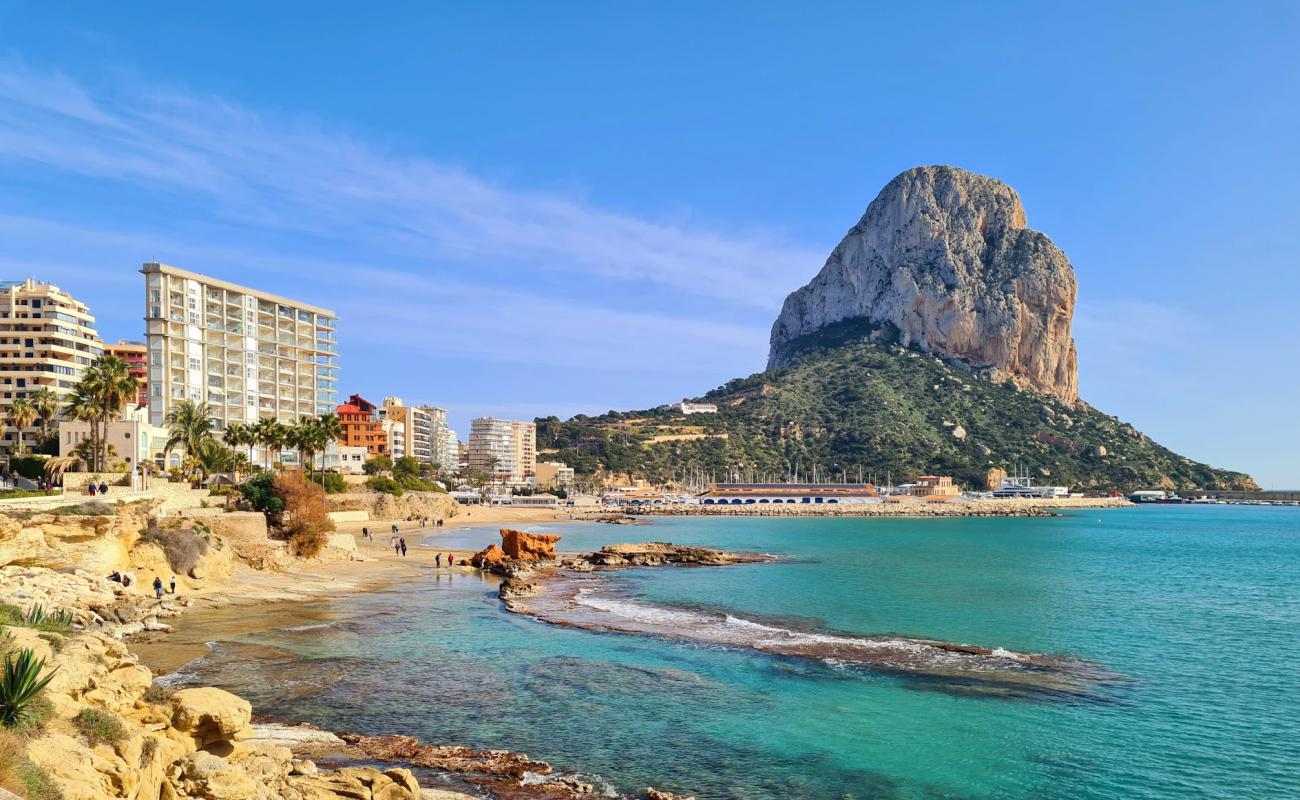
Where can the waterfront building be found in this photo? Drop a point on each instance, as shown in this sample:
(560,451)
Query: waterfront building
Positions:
(359,419)
(505,449)
(419,428)
(246,353)
(132,438)
(135,354)
(47,340)
(934,486)
(448,451)
(789,493)
(697,408)
(395,436)
(554,474)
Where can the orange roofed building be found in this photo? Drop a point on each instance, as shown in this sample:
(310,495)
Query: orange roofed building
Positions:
(361,426)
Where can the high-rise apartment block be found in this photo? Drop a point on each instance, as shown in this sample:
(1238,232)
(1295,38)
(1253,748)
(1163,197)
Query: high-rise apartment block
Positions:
(246,353)
(47,340)
(505,449)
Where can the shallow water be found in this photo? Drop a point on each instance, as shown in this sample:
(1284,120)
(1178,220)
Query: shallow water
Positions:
(1191,613)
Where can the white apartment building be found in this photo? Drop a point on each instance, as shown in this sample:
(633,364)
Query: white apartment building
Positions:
(418,428)
(47,340)
(246,353)
(395,432)
(505,449)
(448,452)
(697,408)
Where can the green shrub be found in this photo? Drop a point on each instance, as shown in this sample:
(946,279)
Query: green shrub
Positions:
(31,467)
(183,547)
(332,482)
(259,491)
(92,508)
(36,617)
(377,465)
(19,775)
(385,485)
(20,684)
(157,695)
(147,748)
(99,727)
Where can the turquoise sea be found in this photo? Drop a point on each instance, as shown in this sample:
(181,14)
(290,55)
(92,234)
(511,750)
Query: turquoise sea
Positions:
(1193,611)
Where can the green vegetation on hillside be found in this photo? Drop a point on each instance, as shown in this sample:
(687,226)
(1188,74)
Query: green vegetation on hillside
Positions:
(882,409)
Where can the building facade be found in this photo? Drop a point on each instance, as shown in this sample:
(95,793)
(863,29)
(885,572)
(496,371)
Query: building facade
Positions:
(131,439)
(934,486)
(554,475)
(416,429)
(136,356)
(505,449)
(47,341)
(246,353)
(448,452)
(697,408)
(362,427)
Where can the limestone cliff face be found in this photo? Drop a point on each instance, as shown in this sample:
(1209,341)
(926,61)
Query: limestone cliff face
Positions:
(943,258)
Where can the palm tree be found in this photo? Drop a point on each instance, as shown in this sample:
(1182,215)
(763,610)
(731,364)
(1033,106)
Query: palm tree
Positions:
(211,457)
(113,387)
(46,403)
(81,406)
(56,466)
(21,416)
(189,424)
(240,435)
(331,429)
(271,435)
(307,438)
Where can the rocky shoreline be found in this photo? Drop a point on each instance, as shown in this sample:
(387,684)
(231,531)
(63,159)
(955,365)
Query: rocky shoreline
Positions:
(199,743)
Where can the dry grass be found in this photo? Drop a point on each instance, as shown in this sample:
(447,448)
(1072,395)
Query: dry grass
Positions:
(306,523)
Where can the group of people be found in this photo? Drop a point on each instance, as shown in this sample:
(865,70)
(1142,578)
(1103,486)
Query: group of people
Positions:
(128,578)
(398,542)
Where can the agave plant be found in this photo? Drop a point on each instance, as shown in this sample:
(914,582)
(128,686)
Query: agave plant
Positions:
(37,616)
(20,685)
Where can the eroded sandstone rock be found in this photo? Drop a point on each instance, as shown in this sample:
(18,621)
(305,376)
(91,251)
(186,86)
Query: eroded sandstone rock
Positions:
(528,546)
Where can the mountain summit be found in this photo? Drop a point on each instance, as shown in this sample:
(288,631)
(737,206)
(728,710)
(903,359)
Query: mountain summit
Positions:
(943,262)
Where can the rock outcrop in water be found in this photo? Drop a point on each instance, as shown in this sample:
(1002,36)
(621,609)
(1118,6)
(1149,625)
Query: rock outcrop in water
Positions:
(943,261)
(528,546)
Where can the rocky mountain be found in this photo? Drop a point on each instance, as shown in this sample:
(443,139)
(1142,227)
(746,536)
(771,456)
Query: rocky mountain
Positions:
(943,262)
(849,405)
(936,339)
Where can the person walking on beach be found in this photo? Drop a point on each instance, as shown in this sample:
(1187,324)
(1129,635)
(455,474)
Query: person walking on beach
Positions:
(397,546)
(437,559)
(173,584)
(394,528)
(365,533)
(403,543)
(157,587)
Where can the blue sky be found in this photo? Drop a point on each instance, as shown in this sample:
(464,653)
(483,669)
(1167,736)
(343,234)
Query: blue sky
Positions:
(533,208)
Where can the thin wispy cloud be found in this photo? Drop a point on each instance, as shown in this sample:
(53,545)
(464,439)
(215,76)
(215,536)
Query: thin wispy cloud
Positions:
(292,176)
